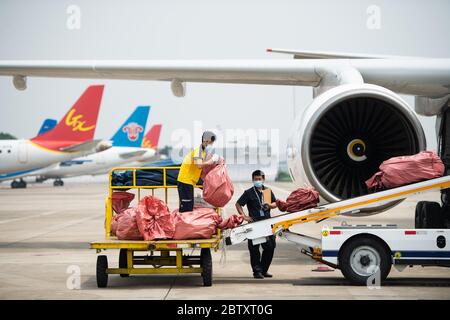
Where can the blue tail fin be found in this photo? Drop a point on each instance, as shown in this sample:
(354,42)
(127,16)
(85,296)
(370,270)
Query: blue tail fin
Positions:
(47,125)
(132,131)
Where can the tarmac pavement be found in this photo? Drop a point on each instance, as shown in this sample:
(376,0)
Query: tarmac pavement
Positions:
(45,233)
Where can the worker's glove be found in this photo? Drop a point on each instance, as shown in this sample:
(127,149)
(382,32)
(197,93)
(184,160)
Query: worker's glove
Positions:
(215,158)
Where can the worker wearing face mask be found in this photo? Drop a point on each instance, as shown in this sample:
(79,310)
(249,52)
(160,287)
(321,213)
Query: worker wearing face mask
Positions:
(258,209)
(191,169)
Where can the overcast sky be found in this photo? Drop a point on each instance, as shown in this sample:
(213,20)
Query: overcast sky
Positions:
(207,29)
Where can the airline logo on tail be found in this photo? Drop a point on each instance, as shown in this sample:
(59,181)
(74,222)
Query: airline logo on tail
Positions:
(130,133)
(146,144)
(151,139)
(132,130)
(76,123)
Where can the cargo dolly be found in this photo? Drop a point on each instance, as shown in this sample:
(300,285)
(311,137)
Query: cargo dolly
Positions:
(162,256)
(361,252)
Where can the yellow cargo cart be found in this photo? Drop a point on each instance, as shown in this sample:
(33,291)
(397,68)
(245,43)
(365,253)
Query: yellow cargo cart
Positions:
(161,256)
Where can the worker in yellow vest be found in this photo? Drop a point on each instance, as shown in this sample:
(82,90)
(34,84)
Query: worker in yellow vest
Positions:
(191,169)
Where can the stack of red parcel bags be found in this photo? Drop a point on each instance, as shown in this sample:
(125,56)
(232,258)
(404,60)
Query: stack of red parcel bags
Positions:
(152,219)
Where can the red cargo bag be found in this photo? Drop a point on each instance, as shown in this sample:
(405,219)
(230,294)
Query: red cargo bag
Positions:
(300,199)
(217,187)
(201,223)
(127,228)
(121,200)
(230,222)
(400,171)
(154,219)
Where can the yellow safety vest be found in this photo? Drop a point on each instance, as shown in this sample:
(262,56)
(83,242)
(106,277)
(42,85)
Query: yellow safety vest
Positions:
(189,172)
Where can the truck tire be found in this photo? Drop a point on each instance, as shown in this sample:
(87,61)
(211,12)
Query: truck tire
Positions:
(419,216)
(206,263)
(123,262)
(102,276)
(446,214)
(361,257)
(433,217)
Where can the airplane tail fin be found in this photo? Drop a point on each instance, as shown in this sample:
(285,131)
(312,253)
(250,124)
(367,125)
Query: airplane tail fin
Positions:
(47,125)
(151,139)
(131,132)
(78,124)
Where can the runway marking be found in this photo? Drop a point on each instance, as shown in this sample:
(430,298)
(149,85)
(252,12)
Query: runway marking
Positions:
(31,216)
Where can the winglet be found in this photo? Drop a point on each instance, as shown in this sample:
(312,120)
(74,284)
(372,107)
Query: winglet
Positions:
(305,54)
(151,139)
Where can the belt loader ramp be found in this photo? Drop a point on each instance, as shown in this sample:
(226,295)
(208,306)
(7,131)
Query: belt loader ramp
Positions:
(360,252)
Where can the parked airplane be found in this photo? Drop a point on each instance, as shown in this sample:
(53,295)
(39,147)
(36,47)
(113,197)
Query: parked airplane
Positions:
(150,141)
(356,120)
(70,138)
(126,147)
(48,125)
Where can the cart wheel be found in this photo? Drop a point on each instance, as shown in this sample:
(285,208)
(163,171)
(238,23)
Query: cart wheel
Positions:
(123,262)
(102,276)
(360,258)
(206,262)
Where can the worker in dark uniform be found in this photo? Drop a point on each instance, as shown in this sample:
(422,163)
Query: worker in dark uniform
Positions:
(258,209)
(191,169)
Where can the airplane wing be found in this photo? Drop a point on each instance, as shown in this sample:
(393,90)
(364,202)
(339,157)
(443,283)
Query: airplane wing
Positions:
(127,155)
(223,71)
(416,76)
(87,146)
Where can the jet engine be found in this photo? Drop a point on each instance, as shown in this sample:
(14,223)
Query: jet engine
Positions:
(345,134)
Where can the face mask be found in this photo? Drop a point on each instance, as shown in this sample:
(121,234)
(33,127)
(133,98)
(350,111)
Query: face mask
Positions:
(258,184)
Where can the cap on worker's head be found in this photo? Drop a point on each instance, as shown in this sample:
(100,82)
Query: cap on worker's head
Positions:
(258,173)
(208,136)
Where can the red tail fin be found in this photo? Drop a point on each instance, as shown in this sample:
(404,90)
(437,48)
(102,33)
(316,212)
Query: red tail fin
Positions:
(78,125)
(151,139)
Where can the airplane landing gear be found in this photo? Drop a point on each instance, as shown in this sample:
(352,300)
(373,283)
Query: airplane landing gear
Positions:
(40,179)
(58,183)
(21,184)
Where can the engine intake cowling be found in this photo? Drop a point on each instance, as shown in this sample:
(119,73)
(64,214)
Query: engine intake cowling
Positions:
(344,135)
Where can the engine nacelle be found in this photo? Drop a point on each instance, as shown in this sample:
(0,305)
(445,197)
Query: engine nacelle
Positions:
(343,136)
